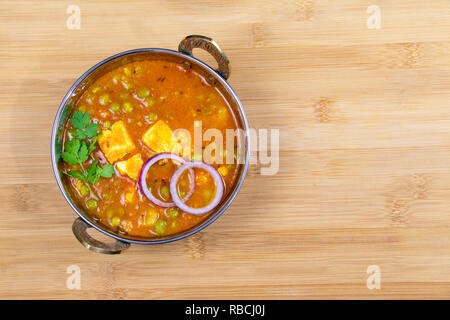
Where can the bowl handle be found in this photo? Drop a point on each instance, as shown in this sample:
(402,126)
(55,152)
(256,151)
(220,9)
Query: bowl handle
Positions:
(79,230)
(195,41)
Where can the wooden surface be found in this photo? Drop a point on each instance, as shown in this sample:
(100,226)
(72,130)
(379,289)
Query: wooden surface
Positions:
(364,178)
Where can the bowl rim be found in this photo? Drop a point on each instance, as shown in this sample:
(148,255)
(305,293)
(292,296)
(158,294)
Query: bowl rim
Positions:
(195,229)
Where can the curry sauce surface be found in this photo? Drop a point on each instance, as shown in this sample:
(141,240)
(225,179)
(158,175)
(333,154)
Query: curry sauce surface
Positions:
(141,94)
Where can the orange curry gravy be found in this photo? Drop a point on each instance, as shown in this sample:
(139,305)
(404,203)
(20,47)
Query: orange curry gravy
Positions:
(141,94)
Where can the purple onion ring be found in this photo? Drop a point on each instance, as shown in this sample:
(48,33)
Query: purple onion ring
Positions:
(143,181)
(188,166)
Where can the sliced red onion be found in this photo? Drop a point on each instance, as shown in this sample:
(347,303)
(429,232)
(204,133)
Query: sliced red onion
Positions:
(188,166)
(143,179)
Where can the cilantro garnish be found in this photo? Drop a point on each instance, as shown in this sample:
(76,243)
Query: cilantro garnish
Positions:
(95,172)
(75,152)
(83,129)
(80,120)
(78,149)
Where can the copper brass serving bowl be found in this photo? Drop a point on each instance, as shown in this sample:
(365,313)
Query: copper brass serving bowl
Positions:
(183,56)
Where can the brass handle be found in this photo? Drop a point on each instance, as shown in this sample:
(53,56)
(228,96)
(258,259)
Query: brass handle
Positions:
(79,230)
(195,41)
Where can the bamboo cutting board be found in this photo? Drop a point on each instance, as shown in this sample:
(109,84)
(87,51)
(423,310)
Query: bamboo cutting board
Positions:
(364,172)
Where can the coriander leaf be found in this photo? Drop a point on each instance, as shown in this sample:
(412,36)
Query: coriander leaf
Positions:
(76,174)
(70,158)
(91,130)
(93,175)
(70,154)
(83,152)
(91,147)
(106,171)
(86,118)
(72,146)
(79,133)
(80,120)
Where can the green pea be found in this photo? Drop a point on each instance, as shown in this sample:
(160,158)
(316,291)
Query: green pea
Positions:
(109,212)
(127,71)
(82,108)
(115,107)
(164,192)
(160,226)
(151,217)
(91,204)
(95,89)
(115,221)
(206,194)
(172,212)
(107,125)
(104,99)
(152,117)
(84,190)
(127,107)
(143,93)
(138,69)
(150,101)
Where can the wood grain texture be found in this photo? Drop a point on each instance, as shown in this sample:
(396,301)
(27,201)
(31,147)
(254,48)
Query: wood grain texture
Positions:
(364,178)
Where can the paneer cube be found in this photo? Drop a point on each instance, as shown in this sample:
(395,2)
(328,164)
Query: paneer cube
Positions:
(115,143)
(183,144)
(131,167)
(159,138)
